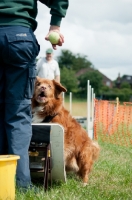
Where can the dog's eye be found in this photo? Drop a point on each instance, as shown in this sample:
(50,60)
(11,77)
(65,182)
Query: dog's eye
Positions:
(49,86)
(38,84)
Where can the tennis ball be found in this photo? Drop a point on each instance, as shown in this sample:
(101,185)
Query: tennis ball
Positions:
(54,37)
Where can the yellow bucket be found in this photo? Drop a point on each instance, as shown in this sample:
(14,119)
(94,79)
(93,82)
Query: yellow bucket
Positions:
(8,165)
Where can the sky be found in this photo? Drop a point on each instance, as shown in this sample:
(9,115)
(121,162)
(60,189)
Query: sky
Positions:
(98,29)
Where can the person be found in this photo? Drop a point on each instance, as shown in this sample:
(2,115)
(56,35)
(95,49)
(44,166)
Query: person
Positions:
(47,67)
(19,49)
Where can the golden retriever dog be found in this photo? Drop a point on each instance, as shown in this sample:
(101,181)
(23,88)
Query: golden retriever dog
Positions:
(80,151)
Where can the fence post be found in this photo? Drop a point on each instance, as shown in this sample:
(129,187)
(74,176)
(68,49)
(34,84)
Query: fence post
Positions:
(117,104)
(90,109)
(88,105)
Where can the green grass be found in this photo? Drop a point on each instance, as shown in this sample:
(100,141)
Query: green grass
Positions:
(75,99)
(111,179)
(78,108)
(120,135)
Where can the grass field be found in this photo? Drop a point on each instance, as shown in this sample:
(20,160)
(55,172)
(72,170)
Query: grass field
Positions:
(78,108)
(111,179)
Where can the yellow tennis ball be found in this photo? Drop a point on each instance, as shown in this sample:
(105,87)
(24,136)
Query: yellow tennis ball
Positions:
(54,37)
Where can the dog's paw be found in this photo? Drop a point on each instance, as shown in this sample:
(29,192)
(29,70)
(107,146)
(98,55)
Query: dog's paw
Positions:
(75,168)
(84,184)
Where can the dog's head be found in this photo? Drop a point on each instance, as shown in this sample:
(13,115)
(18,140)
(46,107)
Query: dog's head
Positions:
(46,89)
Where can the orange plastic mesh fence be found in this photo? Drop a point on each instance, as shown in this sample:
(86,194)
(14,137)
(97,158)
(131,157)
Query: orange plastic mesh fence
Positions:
(113,122)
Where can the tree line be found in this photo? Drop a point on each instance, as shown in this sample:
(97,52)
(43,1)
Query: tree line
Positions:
(71,64)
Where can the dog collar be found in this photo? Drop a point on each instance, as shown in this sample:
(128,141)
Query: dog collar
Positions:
(49,118)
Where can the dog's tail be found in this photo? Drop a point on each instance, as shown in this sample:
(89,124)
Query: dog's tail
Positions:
(96,150)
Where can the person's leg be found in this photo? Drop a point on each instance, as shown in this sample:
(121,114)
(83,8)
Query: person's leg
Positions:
(21,51)
(3,149)
(18,129)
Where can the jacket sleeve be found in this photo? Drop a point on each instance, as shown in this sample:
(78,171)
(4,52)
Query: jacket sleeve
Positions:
(58,9)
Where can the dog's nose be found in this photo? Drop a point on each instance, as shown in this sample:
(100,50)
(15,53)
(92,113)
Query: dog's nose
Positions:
(43,88)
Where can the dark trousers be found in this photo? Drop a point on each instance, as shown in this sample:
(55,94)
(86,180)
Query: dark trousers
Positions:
(18,51)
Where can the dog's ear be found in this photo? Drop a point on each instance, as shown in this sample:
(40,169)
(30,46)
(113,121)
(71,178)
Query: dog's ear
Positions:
(37,80)
(59,87)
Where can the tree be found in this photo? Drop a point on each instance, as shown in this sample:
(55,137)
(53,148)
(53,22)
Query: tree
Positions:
(69,80)
(75,62)
(95,81)
(66,59)
(125,85)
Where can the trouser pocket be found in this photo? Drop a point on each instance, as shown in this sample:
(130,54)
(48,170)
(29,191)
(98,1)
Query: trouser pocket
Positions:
(20,59)
(30,83)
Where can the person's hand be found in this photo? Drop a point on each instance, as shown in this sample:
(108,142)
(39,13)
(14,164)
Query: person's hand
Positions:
(56,29)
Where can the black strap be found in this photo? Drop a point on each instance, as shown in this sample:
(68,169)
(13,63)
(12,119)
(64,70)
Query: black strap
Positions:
(49,118)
